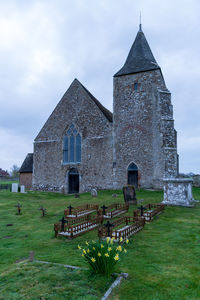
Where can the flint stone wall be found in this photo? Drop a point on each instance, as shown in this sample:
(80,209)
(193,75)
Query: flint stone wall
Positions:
(178,191)
(143,129)
(95,169)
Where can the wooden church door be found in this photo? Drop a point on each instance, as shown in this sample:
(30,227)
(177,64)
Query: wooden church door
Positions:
(133,175)
(73,181)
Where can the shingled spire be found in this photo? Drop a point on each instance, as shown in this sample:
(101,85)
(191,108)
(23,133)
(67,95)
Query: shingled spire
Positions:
(140,57)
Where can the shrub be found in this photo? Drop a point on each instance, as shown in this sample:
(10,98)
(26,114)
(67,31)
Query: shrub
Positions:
(102,256)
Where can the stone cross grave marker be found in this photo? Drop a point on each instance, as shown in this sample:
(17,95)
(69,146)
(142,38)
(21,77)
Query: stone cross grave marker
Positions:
(129,194)
(108,225)
(63,221)
(18,208)
(104,209)
(70,209)
(141,208)
(14,187)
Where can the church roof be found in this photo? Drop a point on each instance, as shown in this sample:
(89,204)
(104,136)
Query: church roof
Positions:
(27,166)
(140,57)
(104,110)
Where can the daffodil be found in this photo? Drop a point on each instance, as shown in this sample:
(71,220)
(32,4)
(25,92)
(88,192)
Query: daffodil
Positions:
(86,243)
(107,255)
(88,250)
(125,251)
(108,239)
(102,246)
(79,247)
(93,248)
(109,249)
(121,239)
(127,241)
(119,248)
(93,259)
(116,257)
(99,254)
(84,252)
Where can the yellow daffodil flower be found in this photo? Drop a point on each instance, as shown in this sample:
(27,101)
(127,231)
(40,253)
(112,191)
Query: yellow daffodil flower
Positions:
(86,243)
(109,249)
(107,255)
(125,251)
(119,248)
(108,240)
(116,257)
(99,254)
(93,248)
(102,246)
(121,239)
(88,251)
(84,252)
(127,241)
(93,259)
(79,247)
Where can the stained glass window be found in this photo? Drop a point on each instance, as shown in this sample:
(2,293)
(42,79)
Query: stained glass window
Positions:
(72,146)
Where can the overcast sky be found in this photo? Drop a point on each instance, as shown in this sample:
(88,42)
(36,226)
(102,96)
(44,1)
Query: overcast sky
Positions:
(45,44)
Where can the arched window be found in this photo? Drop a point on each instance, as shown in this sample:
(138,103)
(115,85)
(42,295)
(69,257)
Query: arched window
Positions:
(72,146)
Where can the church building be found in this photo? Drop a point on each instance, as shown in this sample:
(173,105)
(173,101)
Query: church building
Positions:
(83,145)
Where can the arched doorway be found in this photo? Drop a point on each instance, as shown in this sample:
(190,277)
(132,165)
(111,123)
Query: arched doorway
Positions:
(133,175)
(73,181)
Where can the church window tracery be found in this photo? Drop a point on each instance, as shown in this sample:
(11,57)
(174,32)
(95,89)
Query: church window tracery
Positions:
(72,146)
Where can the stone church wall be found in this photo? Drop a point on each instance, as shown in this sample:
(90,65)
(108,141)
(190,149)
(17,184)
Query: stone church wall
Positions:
(139,133)
(95,170)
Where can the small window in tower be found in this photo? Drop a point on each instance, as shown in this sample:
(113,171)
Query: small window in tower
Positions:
(135,86)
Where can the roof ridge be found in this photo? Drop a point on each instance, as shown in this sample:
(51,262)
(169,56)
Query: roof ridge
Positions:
(108,114)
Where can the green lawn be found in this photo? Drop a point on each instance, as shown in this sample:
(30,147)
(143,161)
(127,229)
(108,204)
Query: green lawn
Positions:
(162,259)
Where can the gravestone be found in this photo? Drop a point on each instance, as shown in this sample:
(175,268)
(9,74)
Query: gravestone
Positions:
(22,189)
(14,187)
(94,192)
(178,191)
(62,189)
(129,194)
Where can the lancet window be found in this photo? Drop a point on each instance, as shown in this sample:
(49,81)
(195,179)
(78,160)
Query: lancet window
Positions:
(72,146)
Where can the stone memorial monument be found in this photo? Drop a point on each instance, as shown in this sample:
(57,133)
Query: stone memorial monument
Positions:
(22,189)
(178,191)
(14,187)
(129,194)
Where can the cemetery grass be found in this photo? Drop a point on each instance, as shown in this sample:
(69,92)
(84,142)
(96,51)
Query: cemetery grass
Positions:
(162,260)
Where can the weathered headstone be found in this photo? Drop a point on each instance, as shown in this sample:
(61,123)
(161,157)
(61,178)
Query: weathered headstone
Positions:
(22,189)
(94,192)
(62,189)
(129,194)
(14,187)
(114,195)
(178,191)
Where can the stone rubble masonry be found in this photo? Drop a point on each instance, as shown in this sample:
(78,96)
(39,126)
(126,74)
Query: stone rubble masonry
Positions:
(95,169)
(178,191)
(143,129)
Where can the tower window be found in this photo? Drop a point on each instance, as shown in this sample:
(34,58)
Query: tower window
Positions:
(72,146)
(135,86)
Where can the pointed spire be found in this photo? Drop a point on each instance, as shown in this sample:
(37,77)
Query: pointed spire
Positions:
(140,57)
(140,26)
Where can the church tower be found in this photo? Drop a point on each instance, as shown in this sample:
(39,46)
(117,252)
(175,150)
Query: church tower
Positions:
(145,147)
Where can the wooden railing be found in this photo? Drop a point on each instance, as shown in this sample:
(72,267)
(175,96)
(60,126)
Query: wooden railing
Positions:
(129,226)
(77,227)
(79,210)
(114,209)
(151,210)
